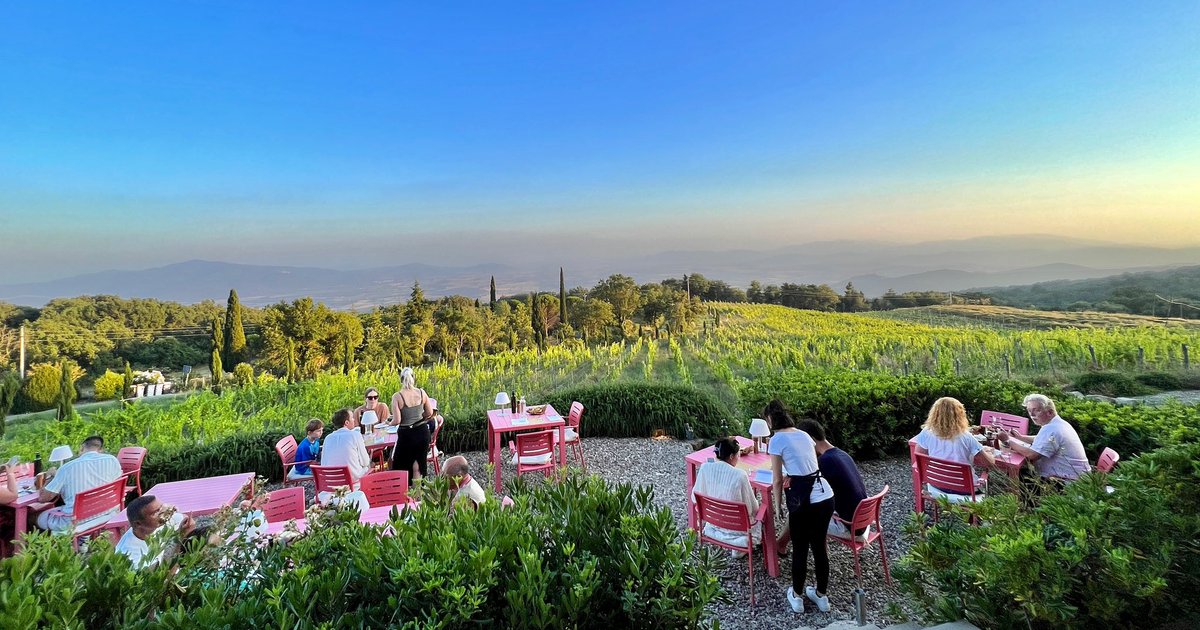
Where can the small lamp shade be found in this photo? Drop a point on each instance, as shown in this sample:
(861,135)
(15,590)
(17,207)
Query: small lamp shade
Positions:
(502,398)
(759,428)
(61,454)
(369,417)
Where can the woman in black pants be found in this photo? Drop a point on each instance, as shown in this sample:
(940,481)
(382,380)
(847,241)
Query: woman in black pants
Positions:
(411,411)
(809,502)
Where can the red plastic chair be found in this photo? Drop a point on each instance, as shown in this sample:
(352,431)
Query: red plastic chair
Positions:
(574,439)
(330,478)
(284,505)
(866,515)
(952,478)
(386,488)
(1108,460)
(89,504)
(1004,421)
(434,455)
(731,516)
(131,458)
(286,449)
(533,446)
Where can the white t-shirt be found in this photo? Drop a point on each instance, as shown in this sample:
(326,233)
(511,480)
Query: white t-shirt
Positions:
(1061,451)
(89,470)
(471,490)
(345,447)
(799,455)
(137,549)
(961,448)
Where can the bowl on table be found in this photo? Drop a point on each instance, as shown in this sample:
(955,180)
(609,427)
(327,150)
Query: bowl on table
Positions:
(535,410)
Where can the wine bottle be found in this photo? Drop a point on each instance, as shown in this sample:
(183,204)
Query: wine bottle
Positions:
(513,401)
(37,464)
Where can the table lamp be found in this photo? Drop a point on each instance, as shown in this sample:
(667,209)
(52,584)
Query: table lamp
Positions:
(369,418)
(758,431)
(502,400)
(60,454)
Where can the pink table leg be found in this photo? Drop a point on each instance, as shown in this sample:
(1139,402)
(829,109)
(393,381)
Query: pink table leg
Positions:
(691,510)
(770,550)
(494,455)
(562,446)
(20,524)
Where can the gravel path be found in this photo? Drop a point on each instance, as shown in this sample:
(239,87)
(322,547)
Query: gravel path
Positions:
(660,463)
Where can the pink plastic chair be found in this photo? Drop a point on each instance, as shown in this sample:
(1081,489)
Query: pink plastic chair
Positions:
(434,456)
(286,449)
(330,478)
(386,488)
(949,477)
(867,514)
(89,504)
(574,437)
(1108,460)
(1004,421)
(131,458)
(731,516)
(534,446)
(918,496)
(284,505)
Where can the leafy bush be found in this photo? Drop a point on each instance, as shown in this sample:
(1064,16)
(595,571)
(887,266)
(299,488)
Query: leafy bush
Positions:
(869,414)
(1131,429)
(636,409)
(576,554)
(41,388)
(1110,384)
(1164,381)
(243,374)
(1083,558)
(109,386)
(10,386)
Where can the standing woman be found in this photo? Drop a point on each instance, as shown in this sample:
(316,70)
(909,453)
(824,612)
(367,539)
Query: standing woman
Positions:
(809,503)
(411,411)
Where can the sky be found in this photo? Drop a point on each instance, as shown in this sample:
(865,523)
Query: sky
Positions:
(364,134)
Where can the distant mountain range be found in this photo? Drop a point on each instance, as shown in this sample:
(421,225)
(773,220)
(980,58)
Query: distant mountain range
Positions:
(873,267)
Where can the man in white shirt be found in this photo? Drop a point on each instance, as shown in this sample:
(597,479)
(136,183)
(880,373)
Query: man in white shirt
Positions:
(345,447)
(466,490)
(145,515)
(92,469)
(1056,450)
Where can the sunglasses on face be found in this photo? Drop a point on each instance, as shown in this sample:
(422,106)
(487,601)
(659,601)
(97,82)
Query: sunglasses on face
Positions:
(372,397)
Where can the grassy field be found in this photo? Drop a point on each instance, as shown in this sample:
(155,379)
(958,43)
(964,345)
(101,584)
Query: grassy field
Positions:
(1009,318)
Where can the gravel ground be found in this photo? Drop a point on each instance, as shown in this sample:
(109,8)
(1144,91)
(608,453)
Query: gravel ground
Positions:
(660,463)
(1188,397)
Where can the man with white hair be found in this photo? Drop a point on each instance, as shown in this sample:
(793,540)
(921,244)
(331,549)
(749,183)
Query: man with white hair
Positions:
(1055,450)
(464,487)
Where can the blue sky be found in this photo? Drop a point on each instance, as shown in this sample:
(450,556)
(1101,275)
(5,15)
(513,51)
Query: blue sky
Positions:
(361,134)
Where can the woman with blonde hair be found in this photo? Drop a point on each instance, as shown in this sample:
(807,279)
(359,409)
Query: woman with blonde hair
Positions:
(411,412)
(945,436)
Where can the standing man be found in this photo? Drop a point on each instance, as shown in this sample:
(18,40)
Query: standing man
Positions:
(1056,450)
(92,469)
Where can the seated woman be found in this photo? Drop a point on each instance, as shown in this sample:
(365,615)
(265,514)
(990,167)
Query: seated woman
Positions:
(946,435)
(722,479)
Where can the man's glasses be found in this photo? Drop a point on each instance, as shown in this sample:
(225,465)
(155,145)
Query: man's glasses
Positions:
(372,397)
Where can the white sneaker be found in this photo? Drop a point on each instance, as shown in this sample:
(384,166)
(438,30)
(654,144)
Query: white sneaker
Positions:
(795,600)
(737,554)
(822,601)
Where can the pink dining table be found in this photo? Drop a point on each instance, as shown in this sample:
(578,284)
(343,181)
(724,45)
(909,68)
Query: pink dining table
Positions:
(760,481)
(194,497)
(26,501)
(1010,462)
(370,516)
(501,421)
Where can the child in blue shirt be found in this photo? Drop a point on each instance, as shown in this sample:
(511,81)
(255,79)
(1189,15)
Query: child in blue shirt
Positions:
(309,449)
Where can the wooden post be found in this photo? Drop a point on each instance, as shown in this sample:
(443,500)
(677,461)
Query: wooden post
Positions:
(1092,350)
(1141,358)
(906,368)
(957,367)
(1050,359)
(1186,363)
(1007,367)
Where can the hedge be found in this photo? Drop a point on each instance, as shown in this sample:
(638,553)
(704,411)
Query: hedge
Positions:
(1083,558)
(578,554)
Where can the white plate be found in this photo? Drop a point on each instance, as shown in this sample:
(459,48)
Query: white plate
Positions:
(391,429)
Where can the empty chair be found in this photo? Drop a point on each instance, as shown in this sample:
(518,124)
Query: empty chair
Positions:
(386,488)
(94,507)
(1004,421)
(284,505)
(732,516)
(942,478)
(866,515)
(330,478)
(131,458)
(286,449)
(534,451)
(435,455)
(1108,460)
(572,431)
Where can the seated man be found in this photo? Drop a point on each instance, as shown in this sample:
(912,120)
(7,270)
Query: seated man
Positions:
(466,490)
(839,469)
(308,450)
(1056,450)
(345,447)
(147,515)
(92,469)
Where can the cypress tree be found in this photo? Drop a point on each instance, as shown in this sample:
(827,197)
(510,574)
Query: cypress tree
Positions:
(214,366)
(348,356)
(539,324)
(562,298)
(218,335)
(66,392)
(235,337)
(492,303)
(291,361)
(129,381)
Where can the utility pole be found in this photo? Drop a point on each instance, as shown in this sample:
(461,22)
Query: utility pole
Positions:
(688,281)
(22,351)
